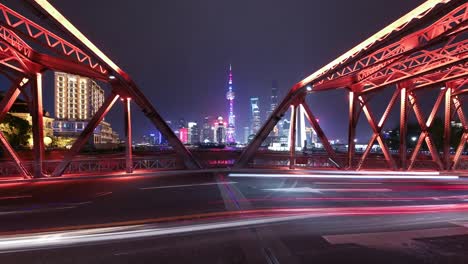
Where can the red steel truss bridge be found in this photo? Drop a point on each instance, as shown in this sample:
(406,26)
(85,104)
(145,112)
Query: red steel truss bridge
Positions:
(425,49)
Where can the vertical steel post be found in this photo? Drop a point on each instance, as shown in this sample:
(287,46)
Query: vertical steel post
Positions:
(351,129)
(37,125)
(128,136)
(447,126)
(292,143)
(403,124)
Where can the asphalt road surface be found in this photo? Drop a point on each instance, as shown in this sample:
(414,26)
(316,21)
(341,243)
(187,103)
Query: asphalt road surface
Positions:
(227,218)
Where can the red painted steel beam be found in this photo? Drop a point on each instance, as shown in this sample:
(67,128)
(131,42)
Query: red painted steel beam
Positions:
(447,126)
(425,134)
(128,135)
(28,29)
(424,64)
(357,71)
(395,40)
(403,87)
(5,105)
(323,138)
(292,136)
(352,123)
(85,134)
(37,125)
(377,129)
(35,61)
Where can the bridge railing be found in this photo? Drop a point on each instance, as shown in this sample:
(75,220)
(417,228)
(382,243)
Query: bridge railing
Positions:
(93,166)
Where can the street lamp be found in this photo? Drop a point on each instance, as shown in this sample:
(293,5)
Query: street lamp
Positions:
(413,138)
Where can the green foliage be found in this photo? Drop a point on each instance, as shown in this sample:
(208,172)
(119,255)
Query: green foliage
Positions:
(16,130)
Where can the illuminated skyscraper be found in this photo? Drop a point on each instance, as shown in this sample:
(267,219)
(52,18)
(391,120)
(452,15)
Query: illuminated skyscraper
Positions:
(231,127)
(255,118)
(273,98)
(220,131)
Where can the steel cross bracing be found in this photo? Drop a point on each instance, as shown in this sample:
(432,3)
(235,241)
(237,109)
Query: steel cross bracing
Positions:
(425,48)
(24,65)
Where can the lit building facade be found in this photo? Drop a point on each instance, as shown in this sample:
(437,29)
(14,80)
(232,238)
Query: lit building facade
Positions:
(255,119)
(207,130)
(77,99)
(183,135)
(231,126)
(220,131)
(273,98)
(193,133)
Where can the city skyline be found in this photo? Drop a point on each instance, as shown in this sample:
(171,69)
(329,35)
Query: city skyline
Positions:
(192,63)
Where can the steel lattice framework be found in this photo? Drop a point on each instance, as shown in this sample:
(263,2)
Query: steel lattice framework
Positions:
(24,65)
(425,48)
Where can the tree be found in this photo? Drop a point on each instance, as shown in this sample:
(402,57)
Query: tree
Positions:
(16,130)
(392,138)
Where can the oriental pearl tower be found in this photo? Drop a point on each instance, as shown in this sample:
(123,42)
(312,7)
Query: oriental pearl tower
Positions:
(231,128)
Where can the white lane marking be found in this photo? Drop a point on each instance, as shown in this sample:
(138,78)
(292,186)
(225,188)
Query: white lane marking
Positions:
(22,243)
(314,190)
(15,197)
(340,176)
(186,185)
(102,194)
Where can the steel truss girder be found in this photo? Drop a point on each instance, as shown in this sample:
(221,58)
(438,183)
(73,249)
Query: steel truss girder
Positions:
(385,49)
(425,125)
(56,44)
(424,63)
(357,68)
(35,61)
(377,130)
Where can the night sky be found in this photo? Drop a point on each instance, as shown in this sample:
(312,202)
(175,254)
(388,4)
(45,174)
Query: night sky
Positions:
(178,52)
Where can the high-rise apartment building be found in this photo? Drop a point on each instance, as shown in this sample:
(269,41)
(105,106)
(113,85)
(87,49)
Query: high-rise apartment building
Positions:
(77,99)
(255,119)
(193,133)
(273,98)
(207,130)
(220,131)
